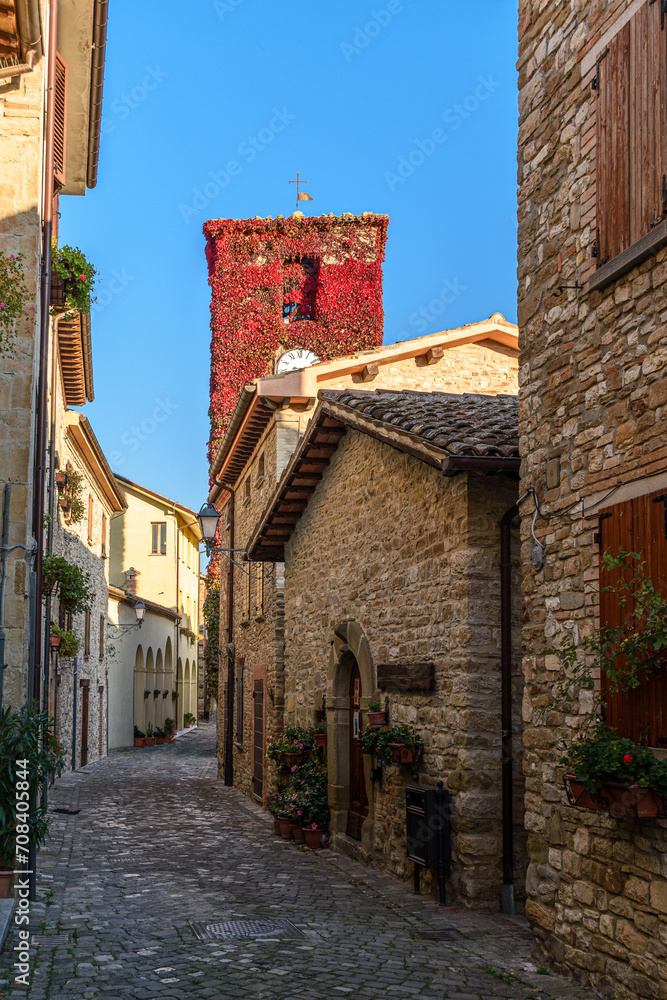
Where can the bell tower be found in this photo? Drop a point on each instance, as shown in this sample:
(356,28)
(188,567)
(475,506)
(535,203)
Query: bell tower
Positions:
(286,292)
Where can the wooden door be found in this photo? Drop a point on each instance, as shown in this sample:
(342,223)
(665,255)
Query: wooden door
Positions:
(258,738)
(85,695)
(358,810)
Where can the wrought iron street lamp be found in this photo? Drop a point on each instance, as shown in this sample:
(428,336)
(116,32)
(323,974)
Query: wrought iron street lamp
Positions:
(139,613)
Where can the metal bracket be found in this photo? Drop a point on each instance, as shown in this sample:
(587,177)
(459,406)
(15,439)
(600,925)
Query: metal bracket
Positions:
(597,537)
(595,82)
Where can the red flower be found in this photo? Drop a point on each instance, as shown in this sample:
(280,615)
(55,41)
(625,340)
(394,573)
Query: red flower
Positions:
(627,758)
(82,277)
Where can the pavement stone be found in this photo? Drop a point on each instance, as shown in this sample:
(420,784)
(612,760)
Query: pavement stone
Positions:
(159,843)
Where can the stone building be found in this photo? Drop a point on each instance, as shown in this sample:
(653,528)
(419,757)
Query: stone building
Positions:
(592,306)
(388,522)
(34,136)
(154,556)
(271,417)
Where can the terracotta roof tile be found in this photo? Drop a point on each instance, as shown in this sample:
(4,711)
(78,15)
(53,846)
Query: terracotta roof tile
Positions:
(465,424)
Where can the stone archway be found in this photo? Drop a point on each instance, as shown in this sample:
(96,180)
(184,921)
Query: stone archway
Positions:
(349,649)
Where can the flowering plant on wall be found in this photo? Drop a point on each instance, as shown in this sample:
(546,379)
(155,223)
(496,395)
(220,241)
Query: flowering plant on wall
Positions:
(297,282)
(76,276)
(602,756)
(13,298)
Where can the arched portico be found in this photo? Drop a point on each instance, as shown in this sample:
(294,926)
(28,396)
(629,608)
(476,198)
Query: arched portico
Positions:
(350,652)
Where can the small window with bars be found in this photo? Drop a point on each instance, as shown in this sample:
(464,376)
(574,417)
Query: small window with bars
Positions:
(159,538)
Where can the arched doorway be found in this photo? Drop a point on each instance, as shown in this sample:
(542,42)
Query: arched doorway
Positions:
(350,689)
(149,701)
(159,685)
(185,697)
(139,685)
(177,705)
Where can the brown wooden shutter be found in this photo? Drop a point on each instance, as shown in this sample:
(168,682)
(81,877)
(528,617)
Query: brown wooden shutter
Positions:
(637,525)
(86,634)
(60,123)
(631,85)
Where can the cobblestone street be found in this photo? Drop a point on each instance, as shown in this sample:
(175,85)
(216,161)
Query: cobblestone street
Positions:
(158,843)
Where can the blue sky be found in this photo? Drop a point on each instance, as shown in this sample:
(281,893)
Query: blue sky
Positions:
(406,107)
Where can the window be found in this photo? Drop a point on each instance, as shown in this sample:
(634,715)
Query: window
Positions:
(90,518)
(637,525)
(631,121)
(239,699)
(246,489)
(299,288)
(86,635)
(102,622)
(188,622)
(263,588)
(260,467)
(159,538)
(195,627)
(104,536)
(60,120)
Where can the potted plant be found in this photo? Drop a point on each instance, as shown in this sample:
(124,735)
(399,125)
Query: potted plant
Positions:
(321,735)
(30,756)
(148,742)
(189,720)
(377,716)
(175,695)
(159,736)
(169,730)
(395,745)
(139,737)
(289,746)
(61,478)
(70,643)
(610,773)
(72,584)
(54,638)
(72,281)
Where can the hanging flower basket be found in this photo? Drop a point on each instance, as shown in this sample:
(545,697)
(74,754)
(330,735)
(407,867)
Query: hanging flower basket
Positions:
(621,801)
(321,739)
(291,759)
(377,719)
(64,503)
(57,293)
(61,478)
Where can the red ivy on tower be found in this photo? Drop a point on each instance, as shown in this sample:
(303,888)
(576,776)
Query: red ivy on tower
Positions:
(282,283)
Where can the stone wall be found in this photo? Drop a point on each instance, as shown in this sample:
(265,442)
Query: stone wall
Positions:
(20,162)
(485,367)
(592,395)
(412,558)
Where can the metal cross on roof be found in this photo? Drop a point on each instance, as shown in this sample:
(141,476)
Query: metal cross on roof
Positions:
(300,195)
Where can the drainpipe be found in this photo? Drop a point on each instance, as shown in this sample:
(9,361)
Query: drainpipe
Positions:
(3,582)
(44,337)
(507,892)
(49,531)
(229,735)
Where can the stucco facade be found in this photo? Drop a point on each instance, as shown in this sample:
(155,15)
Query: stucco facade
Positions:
(592,422)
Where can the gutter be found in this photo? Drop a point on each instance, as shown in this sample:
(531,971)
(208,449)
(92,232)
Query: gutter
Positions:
(247,394)
(19,69)
(30,29)
(100,20)
(454,464)
(87,352)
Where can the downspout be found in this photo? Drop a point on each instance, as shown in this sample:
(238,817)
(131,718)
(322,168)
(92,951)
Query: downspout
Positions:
(75,677)
(49,532)
(229,735)
(39,469)
(3,581)
(507,892)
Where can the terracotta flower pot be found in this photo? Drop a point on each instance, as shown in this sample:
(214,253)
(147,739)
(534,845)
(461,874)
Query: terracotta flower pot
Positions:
(621,801)
(187,725)
(276,826)
(292,759)
(169,738)
(64,503)
(297,833)
(159,740)
(313,837)
(57,291)
(6,876)
(138,741)
(61,477)
(55,641)
(148,741)
(321,739)
(377,718)
(402,754)
(285,828)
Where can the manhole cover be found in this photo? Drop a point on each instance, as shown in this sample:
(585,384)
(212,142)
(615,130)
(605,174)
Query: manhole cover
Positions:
(226,929)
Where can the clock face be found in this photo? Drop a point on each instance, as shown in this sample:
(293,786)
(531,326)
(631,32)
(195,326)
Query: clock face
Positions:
(296,359)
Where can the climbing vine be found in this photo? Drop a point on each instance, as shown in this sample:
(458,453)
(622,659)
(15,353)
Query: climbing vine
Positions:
(325,271)
(211,611)
(14,297)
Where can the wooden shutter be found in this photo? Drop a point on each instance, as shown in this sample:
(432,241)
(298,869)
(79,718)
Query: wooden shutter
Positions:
(102,623)
(154,538)
(631,85)
(239,701)
(104,535)
(60,121)
(163,538)
(638,525)
(86,635)
(90,518)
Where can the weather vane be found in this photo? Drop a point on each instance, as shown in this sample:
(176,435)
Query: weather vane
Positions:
(300,195)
